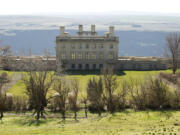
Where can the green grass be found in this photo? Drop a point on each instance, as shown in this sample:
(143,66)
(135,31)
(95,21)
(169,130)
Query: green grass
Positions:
(19,88)
(123,123)
(83,79)
(8,72)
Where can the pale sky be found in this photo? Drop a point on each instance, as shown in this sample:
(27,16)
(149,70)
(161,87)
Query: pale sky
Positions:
(8,7)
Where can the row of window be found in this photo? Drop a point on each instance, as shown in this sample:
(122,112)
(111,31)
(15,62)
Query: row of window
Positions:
(87,46)
(87,55)
(86,66)
(139,66)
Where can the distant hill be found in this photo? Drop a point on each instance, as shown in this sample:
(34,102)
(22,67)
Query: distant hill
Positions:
(132,43)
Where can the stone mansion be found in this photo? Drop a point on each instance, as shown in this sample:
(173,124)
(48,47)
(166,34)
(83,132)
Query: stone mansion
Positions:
(89,51)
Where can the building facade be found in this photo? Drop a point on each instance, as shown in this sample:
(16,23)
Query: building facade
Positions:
(89,51)
(86,50)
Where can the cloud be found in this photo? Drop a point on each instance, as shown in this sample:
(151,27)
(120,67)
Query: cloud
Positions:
(7,33)
(143,44)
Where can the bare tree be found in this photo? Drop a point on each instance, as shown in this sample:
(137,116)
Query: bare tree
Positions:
(95,95)
(74,96)
(110,83)
(3,97)
(84,100)
(172,50)
(5,52)
(138,93)
(121,95)
(62,89)
(37,85)
(38,80)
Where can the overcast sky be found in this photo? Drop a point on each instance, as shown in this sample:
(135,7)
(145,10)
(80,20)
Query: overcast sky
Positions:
(8,7)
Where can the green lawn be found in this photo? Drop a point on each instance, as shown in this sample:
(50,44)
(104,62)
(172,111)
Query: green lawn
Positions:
(123,123)
(19,88)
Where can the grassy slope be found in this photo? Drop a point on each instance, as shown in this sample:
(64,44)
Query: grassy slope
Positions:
(123,123)
(130,123)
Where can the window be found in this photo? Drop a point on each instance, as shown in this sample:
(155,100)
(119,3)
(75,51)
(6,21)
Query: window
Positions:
(87,46)
(94,66)
(62,46)
(80,46)
(73,66)
(111,46)
(111,55)
(73,56)
(80,56)
(73,46)
(87,56)
(87,67)
(100,55)
(155,66)
(121,66)
(63,56)
(101,46)
(139,67)
(150,67)
(80,66)
(100,66)
(63,65)
(94,56)
(94,46)
(163,66)
(134,66)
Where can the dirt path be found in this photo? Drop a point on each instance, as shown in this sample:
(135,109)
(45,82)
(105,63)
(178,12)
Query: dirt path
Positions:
(13,79)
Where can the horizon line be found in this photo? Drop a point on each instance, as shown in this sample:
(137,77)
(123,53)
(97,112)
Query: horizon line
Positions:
(94,13)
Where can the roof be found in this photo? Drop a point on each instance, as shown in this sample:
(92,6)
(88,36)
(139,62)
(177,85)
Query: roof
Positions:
(87,38)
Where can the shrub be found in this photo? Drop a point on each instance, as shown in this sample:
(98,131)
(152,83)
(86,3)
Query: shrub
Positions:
(119,100)
(173,78)
(20,104)
(95,95)
(175,99)
(9,101)
(158,93)
(138,94)
(153,93)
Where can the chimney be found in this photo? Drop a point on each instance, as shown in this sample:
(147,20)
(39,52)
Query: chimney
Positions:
(62,28)
(111,30)
(93,28)
(80,29)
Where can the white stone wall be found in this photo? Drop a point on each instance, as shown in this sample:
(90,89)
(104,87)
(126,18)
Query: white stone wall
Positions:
(95,49)
(91,46)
